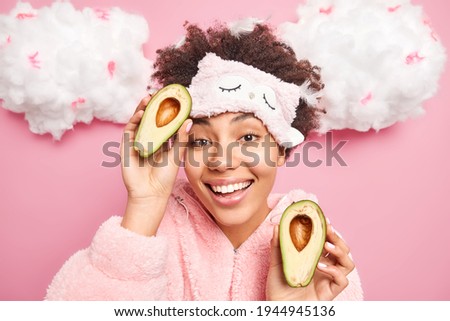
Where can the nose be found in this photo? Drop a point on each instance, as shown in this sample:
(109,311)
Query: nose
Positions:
(223,157)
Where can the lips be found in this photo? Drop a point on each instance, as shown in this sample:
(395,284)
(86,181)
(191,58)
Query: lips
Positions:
(228,193)
(230,188)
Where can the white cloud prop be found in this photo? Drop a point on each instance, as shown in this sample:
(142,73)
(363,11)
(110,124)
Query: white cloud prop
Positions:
(61,66)
(380,59)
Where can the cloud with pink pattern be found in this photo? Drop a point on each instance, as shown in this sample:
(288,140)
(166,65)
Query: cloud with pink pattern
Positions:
(60,65)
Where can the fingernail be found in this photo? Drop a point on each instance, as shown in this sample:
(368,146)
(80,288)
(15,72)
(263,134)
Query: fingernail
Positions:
(332,229)
(330,245)
(328,220)
(151,91)
(321,265)
(338,234)
(188,127)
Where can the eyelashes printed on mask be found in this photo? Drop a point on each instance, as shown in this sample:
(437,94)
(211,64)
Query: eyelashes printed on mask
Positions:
(230,89)
(239,87)
(265,100)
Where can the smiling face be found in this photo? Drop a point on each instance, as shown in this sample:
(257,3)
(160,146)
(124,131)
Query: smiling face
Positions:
(231,164)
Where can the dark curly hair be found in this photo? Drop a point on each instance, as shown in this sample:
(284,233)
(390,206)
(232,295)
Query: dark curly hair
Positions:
(259,48)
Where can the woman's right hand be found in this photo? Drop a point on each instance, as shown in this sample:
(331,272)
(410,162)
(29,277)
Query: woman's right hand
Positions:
(149,181)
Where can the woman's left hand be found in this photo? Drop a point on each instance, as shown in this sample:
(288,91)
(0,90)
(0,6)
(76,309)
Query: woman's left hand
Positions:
(329,280)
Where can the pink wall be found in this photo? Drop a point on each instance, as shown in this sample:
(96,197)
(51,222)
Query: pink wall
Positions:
(390,202)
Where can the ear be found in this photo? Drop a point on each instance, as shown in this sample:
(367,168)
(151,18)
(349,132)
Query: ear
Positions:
(281,159)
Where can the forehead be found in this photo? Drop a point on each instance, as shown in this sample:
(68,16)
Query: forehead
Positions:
(227,118)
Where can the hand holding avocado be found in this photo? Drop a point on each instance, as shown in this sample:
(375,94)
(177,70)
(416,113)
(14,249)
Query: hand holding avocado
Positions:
(149,185)
(309,260)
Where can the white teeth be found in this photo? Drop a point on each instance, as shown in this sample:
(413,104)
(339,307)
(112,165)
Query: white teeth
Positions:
(230,188)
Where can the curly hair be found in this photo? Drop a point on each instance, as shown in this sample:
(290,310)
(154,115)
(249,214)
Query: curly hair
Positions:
(259,48)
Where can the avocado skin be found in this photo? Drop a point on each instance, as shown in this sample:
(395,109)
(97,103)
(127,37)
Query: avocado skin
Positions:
(303,263)
(148,131)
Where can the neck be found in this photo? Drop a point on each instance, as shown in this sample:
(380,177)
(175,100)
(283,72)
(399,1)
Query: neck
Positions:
(238,234)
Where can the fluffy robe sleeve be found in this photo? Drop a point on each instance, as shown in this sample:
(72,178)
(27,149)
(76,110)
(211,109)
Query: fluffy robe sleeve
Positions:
(118,265)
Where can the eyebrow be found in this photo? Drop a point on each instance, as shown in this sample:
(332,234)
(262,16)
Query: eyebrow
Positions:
(202,121)
(242,117)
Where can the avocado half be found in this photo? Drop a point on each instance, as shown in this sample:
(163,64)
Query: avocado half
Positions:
(302,236)
(164,115)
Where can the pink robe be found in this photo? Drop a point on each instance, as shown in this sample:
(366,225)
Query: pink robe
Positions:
(189,259)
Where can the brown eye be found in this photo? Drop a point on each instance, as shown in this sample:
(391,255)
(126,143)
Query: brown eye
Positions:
(200,143)
(249,138)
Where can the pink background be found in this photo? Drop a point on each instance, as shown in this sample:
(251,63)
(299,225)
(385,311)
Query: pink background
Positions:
(391,202)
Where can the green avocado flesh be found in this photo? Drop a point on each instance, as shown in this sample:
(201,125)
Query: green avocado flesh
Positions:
(302,236)
(164,115)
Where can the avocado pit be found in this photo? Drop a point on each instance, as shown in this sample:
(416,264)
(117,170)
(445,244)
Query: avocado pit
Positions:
(300,231)
(168,109)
